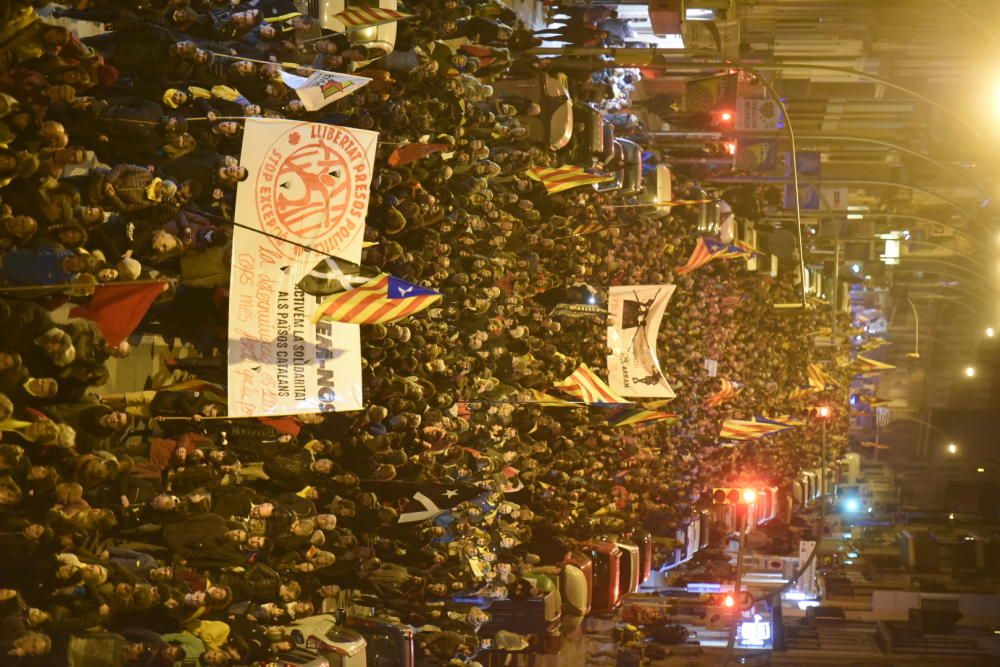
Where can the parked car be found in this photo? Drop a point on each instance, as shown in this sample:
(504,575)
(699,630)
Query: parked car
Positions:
(538,615)
(322,634)
(606,560)
(553,127)
(297,657)
(576,584)
(615,184)
(587,142)
(388,643)
(632,171)
(382,37)
(629,571)
(644,541)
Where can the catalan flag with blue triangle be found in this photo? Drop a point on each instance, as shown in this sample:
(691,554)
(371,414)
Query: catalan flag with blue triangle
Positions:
(630,416)
(780,420)
(738,429)
(381,300)
(707,249)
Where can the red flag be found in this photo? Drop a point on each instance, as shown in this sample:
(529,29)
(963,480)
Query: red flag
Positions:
(286,425)
(413,152)
(119,307)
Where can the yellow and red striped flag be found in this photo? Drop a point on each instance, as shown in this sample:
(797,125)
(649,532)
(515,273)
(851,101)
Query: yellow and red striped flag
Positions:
(363,17)
(869,365)
(819,379)
(584,385)
(546,401)
(382,299)
(737,429)
(567,177)
(800,392)
(628,417)
(874,401)
(726,392)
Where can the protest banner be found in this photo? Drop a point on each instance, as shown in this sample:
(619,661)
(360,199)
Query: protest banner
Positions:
(308,185)
(636,312)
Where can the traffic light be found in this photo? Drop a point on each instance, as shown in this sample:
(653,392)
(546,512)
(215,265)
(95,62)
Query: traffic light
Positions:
(734,495)
(720,608)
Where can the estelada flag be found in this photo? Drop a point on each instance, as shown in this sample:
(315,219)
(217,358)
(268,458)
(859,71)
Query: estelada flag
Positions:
(362,17)
(117,308)
(705,250)
(630,416)
(558,179)
(585,385)
(819,379)
(873,365)
(874,401)
(544,400)
(727,391)
(413,152)
(383,299)
(737,429)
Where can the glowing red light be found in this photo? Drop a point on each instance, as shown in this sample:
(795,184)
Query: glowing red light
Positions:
(729,601)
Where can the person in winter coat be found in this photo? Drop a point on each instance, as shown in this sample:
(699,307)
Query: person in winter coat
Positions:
(46,265)
(129,188)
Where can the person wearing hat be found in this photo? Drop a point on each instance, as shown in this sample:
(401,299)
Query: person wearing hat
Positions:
(129,187)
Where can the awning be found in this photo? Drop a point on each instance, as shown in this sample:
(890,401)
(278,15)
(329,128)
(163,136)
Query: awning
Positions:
(666,16)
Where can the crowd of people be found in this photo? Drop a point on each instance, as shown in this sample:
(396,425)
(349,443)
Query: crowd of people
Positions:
(142,528)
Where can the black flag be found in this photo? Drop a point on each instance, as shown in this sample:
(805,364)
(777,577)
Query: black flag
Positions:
(334,275)
(421,501)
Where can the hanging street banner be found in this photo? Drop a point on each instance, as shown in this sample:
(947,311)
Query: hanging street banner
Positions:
(810,166)
(752,115)
(309,185)
(636,312)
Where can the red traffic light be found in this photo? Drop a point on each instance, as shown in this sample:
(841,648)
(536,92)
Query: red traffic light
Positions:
(823,411)
(729,602)
(749,495)
(726,116)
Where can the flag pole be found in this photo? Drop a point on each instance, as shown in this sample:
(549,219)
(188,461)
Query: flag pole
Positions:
(62,286)
(192,418)
(259,231)
(556,403)
(680,202)
(268,62)
(156,122)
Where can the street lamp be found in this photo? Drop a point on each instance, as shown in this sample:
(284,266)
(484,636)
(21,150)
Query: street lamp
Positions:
(916,332)
(952,448)
(970,371)
(989,332)
(823,414)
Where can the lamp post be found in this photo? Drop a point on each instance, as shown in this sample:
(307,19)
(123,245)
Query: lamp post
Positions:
(916,331)
(823,413)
